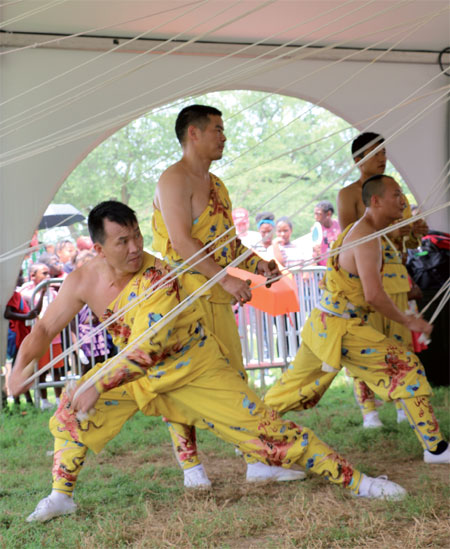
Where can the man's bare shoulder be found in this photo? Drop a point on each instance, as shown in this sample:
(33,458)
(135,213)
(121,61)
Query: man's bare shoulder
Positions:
(359,230)
(174,182)
(85,277)
(351,191)
(174,174)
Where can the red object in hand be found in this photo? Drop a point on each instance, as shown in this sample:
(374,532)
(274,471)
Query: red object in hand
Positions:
(418,345)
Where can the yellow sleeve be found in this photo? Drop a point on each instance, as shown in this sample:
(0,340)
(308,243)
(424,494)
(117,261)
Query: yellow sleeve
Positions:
(251,263)
(153,348)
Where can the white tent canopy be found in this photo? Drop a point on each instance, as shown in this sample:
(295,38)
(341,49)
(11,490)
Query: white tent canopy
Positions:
(61,94)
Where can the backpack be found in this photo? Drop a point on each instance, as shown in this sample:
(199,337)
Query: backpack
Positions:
(429,265)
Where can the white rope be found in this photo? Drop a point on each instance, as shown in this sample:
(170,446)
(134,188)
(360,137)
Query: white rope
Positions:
(32,12)
(52,100)
(299,55)
(200,291)
(137,300)
(103,83)
(373,119)
(11,3)
(25,249)
(442,192)
(321,100)
(432,191)
(298,265)
(298,79)
(90,130)
(101,75)
(444,287)
(335,181)
(422,21)
(112,122)
(22,251)
(21,248)
(293,57)
(83,33)
(405,222)
(170,277)
(157,326)
(411,121)
(83,133)
(441,305)
(236,72)
(9,255)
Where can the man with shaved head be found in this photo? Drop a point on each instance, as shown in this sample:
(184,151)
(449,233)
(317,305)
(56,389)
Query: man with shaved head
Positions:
(369,152)
(337,332)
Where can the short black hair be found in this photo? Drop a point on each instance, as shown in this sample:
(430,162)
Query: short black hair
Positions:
(373,186)
(284,219)
(112,210)
(326,206)
(197,115)
(264,215)
(363,141)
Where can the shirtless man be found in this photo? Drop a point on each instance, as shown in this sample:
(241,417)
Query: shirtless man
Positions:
(337,333)
(178,370)
(395,276)
(192,208)
(349,200)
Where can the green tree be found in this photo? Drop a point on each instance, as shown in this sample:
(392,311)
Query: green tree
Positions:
(281,155)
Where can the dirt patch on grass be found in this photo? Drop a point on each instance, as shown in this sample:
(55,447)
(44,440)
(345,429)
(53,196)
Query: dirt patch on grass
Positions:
(310,514)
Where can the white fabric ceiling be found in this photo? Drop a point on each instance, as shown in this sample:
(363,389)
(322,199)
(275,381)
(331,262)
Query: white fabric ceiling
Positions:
(129,18)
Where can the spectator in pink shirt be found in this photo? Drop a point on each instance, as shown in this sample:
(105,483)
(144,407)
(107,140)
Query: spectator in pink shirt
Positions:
(323,213)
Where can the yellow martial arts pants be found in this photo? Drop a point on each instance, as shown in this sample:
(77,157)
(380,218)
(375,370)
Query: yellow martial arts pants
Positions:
(220,320)
(218,400)
(387,369)
(364,396)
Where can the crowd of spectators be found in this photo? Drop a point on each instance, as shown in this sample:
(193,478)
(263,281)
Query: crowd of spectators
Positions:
(272,240)
(31,298)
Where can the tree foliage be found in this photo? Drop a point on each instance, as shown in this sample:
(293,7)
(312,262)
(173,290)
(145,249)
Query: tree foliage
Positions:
(282,155)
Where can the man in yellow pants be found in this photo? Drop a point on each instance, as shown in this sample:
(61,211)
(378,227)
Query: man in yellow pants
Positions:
(395,276)
(192,210)
(178,371)
(338,333)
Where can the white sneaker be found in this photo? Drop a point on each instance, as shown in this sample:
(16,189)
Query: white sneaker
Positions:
(46,405)
(52,506)
(196,478)
(428,457)
(380,488)
(372,421)
(401,416)
(260,472)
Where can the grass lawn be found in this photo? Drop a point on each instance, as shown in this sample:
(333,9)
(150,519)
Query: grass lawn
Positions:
(131,494)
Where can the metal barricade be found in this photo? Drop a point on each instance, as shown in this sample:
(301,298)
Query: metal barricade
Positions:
(272,342)
(82,358)
(267,341)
